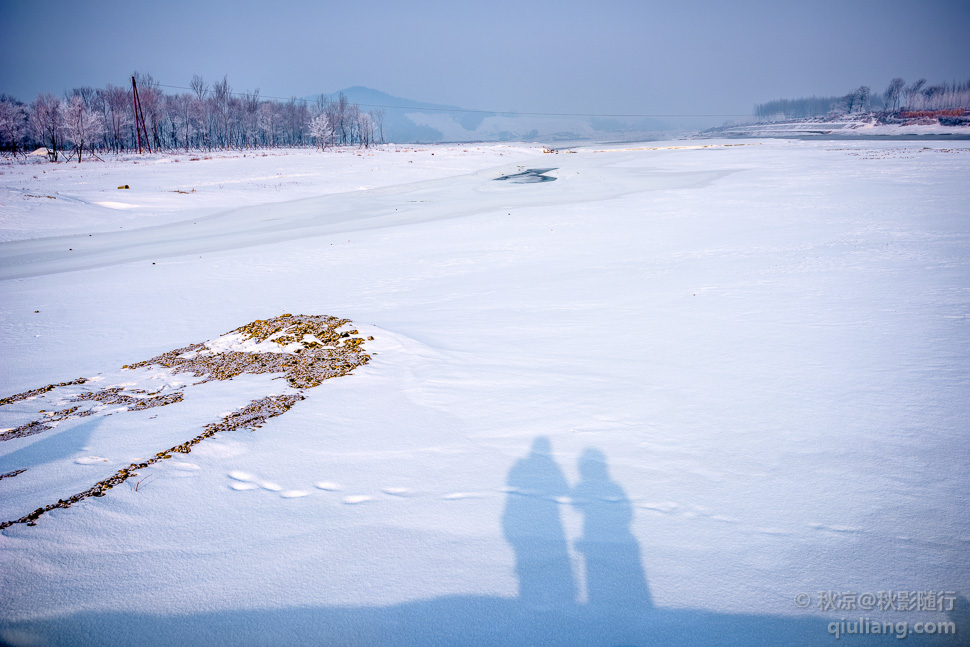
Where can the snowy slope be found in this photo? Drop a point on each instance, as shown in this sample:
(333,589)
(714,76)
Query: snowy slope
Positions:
(42,199)
(649,402)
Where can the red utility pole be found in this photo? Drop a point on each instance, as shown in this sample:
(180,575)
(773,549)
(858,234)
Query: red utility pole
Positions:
(139,118)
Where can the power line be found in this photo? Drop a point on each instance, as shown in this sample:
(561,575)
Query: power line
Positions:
(486,112)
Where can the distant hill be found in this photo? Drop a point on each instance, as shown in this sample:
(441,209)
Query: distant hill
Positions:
(406,120)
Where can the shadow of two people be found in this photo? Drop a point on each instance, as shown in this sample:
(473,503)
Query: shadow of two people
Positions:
(619,609)
(532,524)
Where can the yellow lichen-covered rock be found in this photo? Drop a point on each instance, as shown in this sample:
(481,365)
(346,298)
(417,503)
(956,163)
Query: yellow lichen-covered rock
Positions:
(304,349)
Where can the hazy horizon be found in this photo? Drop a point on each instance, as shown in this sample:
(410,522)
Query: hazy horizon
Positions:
(624,57)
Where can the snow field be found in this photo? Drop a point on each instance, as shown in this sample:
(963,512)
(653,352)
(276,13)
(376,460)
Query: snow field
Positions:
(767,342)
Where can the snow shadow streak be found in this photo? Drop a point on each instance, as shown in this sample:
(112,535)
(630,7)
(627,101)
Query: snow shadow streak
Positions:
(59,445)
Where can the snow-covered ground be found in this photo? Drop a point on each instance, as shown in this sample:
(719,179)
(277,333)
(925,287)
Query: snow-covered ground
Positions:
(173,187)
(669,398)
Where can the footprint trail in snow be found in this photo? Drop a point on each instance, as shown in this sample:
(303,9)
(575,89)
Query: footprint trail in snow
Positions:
(304,349)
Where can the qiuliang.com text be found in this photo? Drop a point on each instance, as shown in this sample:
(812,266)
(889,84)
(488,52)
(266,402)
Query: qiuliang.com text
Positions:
(865,627)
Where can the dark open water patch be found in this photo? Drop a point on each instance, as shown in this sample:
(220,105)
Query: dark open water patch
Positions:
(529,176)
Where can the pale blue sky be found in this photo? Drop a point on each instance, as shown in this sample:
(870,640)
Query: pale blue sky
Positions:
(607,56)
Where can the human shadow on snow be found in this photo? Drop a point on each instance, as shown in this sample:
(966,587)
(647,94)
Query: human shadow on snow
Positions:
(618,611)
(616,584)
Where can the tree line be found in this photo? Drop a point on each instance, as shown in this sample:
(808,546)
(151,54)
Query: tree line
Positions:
(898,97)
(211,116)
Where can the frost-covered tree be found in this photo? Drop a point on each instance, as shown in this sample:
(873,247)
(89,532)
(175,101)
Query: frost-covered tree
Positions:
(13,123)
(118,114)
(47,122)
(268,120)
(82,125)
(858,100)
(365,129)
(943,96)
(321,130)
(200,111)
(210,116)
(87,93)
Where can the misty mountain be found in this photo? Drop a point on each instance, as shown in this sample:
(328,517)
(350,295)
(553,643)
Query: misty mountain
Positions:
(406,120)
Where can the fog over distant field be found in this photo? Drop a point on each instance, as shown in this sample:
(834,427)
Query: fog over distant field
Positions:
(686,58)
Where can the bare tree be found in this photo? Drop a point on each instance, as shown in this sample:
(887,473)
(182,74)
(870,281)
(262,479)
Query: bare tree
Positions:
(250,113)
(299,119)
(47,122)
(199,87)
(365,128)
(184,105)
(341,123)
(268,123)
(865,96)
(353,123)
(152,102)
(891,95)
(86,93)
(222,94)
(178,115)
(913,93)
(378,117)
(199,110)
